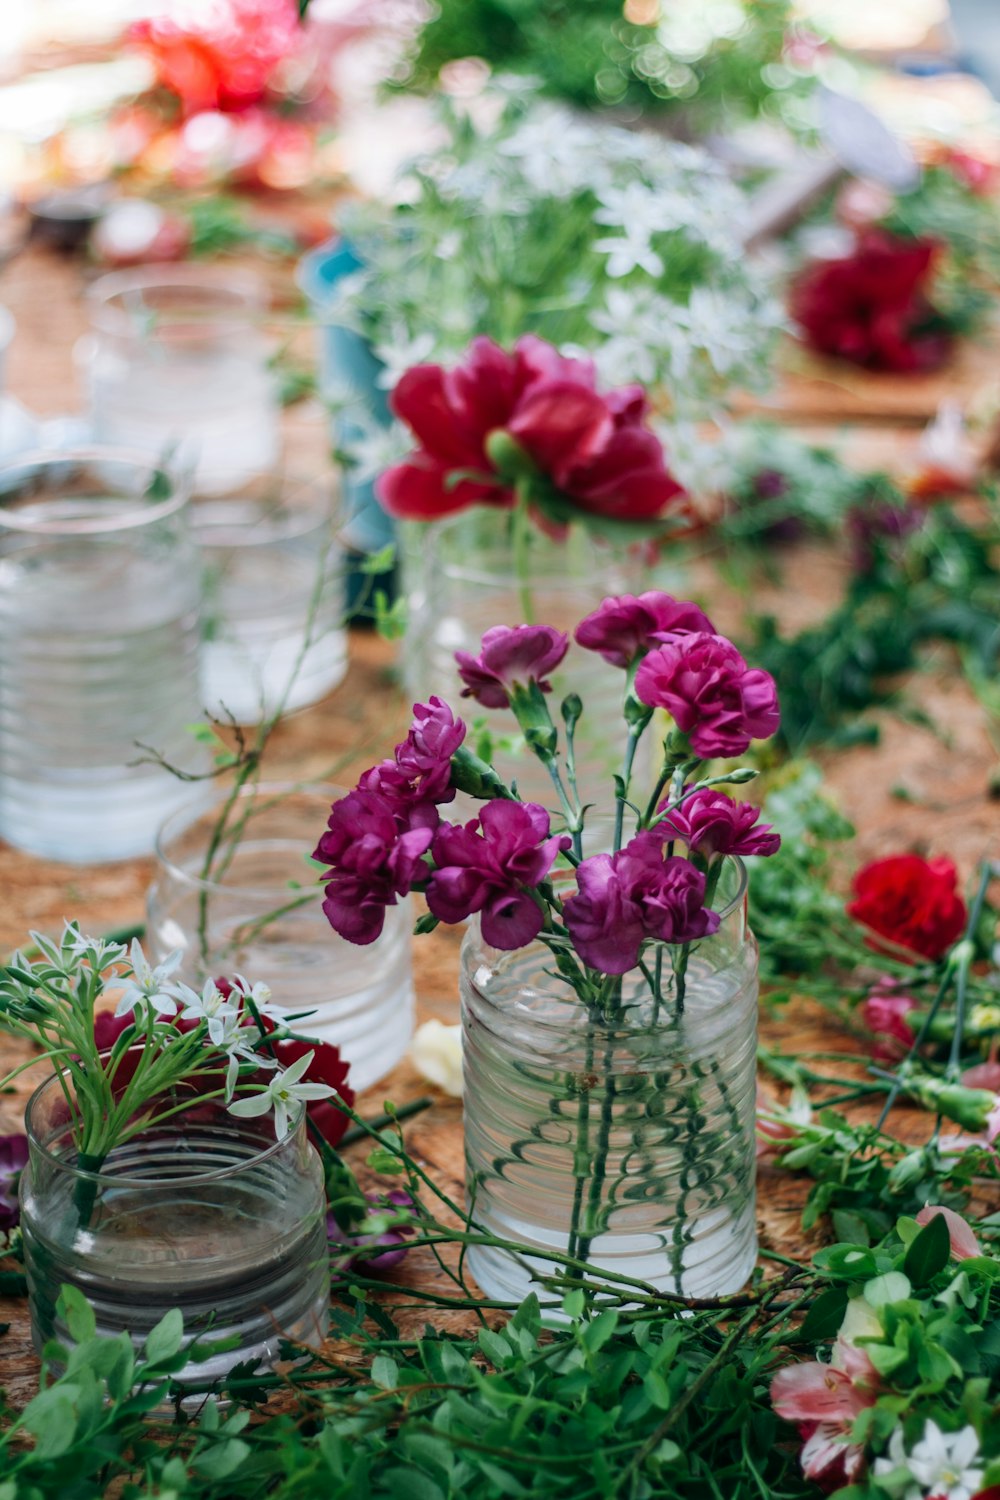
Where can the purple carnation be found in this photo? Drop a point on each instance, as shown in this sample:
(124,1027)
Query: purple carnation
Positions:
(13,1159)
(623,627)
(393,1239)
(711,823)
(876,525)
(636,894)
(374,861)
(490,866)
(511,656)
(420,772)
(713,696)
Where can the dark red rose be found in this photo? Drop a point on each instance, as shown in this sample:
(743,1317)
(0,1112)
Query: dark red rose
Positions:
(594,450)
(872,307)
(911,901)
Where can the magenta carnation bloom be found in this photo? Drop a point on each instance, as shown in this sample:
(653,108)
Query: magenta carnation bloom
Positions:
(490,866)
(623,627)
(395,1240)
(511,656)
(711,823)
(636,894)
(374,860)
(719,702)
(420,771)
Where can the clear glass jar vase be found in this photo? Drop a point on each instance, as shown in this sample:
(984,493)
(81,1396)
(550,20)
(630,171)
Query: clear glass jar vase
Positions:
(622,1139)
(273,637)
(460,579)
(178,361)
(205,1212)
(99,634)
(253,907)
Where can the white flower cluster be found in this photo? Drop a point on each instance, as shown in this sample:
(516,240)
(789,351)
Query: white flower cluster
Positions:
(603,240)
(144,987)
(941,1466)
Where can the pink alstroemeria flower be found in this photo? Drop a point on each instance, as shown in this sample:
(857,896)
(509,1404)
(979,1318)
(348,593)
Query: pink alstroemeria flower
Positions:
(964,1244)
(824,1401)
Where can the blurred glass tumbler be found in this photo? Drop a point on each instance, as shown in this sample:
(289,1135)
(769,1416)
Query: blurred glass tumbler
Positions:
(178,363)
(272,619)
(99,603)
(254,908)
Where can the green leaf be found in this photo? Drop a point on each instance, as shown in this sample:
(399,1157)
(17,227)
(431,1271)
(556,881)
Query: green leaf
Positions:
(929,1253)
(824,1316)
(412,1483)
(221,1459)
(164,1341)
(76,1312)
(385,1372)
(574,1303)
(657,1390)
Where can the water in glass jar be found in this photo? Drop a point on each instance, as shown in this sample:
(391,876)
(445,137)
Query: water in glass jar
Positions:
(99,654)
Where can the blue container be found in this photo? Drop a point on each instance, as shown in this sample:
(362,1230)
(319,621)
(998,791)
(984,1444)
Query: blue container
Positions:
(346,360)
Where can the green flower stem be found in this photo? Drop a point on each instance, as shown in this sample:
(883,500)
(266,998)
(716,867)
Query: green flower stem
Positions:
(602,1149)
(520,540)
(966,952)
(634,735)
(960,957)
(581,1149)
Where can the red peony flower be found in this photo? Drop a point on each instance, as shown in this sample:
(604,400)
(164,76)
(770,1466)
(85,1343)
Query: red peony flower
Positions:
(223,57)
(871,307)
(911,901)
(532,411)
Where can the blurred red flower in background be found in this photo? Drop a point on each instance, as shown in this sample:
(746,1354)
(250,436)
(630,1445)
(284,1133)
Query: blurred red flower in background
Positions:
(910,901)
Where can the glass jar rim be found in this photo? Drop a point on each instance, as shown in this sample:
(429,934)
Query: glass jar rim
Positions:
(245,292)
(16,473)
(192,812)
(288,520)
(130,1179)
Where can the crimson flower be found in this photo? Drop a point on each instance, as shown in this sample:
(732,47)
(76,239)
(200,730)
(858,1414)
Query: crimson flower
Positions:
(490,866)
(910,901)
(593,451)
(511,657)
(224,59)
(711,823)
(624,898)
(624,627)
(719,702)
(871,307)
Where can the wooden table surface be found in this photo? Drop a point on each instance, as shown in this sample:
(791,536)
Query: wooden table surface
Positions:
(945,771)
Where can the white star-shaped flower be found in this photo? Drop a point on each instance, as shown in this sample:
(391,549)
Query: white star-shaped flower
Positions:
(282,1092)
(211,1006)
(148,986)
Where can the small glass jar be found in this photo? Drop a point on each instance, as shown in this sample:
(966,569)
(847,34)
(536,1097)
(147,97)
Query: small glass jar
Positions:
(178,362)
(99,633)
(272,613)
(254,908)
(622,1140)
(205,1212)
(460,580)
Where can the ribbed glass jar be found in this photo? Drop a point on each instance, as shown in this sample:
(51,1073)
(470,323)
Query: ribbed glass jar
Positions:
(253,907)
(205,1212)
(99,606)
(460,580)
(623,1140)
(273,637)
